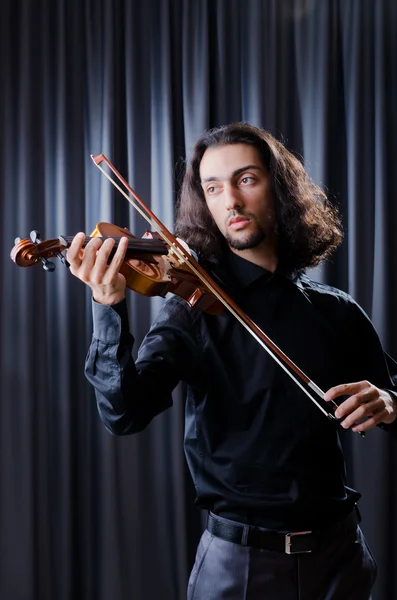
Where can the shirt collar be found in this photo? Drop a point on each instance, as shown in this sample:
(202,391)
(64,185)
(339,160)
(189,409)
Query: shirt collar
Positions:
(244,271)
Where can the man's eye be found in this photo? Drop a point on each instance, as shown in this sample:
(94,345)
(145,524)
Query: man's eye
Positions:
(211,189)
(247,180)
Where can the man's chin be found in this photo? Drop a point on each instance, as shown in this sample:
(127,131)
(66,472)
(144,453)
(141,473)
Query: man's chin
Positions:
(245,243)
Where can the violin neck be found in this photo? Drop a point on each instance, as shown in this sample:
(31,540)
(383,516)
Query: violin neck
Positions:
(136,245)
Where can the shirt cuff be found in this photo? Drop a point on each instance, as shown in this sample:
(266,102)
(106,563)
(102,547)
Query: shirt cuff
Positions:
(110,321)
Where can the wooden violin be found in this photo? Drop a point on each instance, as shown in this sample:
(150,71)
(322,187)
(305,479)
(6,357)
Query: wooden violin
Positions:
(149,267)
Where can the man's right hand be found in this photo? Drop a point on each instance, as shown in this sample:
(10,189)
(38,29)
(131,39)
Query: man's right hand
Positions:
(91,266)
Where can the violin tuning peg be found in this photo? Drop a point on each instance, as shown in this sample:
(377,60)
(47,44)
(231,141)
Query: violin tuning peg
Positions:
(63,259)
(17,240)
(35,236)
(47,264)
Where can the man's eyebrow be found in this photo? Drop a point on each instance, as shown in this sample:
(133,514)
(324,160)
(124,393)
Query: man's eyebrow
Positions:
(235,173)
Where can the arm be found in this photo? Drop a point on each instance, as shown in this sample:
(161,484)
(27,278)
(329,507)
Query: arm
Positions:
(372,396)
(129,395)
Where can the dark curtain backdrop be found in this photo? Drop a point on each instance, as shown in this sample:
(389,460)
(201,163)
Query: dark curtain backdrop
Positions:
(84,515)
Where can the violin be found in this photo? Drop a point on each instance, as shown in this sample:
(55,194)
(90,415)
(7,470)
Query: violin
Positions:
(159,263)
(149,267)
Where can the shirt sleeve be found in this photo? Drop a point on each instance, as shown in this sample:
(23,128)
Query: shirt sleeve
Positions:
(370,361)
(130,394)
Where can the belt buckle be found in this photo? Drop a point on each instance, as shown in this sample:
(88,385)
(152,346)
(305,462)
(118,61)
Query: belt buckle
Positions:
(288,542)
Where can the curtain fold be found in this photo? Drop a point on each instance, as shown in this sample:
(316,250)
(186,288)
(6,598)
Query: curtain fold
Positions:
(84,515)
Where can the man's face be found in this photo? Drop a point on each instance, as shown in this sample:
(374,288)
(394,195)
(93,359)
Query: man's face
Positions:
(237,191)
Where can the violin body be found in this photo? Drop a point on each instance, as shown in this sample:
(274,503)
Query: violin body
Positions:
(150,268)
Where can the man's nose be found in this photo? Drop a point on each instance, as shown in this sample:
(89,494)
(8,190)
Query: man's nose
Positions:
(232,198)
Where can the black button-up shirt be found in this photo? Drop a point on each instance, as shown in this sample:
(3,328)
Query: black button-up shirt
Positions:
(256,446)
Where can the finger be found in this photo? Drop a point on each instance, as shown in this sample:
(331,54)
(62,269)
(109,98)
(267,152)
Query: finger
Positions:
(355,401)
(372,421)
(104,271)
(369,423)
(88,260)
(372,410)
(73,254)
(345,389)
(118,258)
(100,266)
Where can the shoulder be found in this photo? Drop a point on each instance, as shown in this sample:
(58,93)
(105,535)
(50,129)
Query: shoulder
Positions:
(335,302)
(323,292)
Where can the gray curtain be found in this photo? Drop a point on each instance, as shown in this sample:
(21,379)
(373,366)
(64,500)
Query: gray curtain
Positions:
(84,515)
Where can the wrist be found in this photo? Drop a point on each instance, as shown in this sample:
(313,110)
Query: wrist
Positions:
(108,299)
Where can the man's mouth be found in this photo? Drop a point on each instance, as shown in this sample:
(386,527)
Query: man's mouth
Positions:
(238,222)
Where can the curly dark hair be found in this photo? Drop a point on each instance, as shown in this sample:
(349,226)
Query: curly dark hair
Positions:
(308,227)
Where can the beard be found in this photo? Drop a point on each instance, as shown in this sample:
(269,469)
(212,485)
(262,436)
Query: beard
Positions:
(246,240)
(250,240)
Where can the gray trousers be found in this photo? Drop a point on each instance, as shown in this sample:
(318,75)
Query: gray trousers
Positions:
(343,570)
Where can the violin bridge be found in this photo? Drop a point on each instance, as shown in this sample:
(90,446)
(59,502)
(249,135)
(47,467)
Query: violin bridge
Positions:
(176,254)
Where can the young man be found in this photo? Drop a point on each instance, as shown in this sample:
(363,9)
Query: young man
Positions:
(266,463)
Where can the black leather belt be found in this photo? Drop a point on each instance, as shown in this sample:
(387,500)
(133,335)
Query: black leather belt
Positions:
(291,543)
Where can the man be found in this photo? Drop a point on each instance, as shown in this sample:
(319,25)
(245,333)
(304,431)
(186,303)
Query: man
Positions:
(266,463)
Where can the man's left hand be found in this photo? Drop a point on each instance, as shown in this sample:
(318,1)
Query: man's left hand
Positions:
(366,407)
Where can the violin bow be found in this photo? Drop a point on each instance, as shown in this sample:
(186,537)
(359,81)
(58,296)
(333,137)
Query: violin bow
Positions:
(184,257)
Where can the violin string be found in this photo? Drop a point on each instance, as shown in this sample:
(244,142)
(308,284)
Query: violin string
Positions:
(140,244)
(187,258)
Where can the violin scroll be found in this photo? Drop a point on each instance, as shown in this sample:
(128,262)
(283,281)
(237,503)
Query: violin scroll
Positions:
(33,251)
